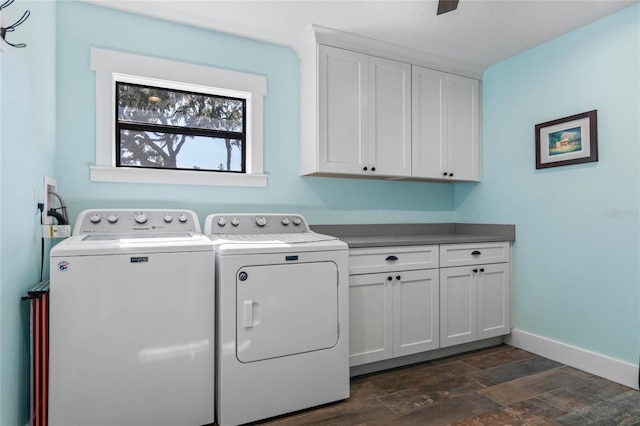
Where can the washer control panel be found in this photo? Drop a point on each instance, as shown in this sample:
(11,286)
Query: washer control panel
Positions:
(244,223)
(127,221)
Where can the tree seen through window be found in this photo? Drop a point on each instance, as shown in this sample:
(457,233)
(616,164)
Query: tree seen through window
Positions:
(173,129)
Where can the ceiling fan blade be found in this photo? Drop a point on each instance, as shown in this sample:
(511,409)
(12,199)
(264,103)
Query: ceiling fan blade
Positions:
(445,6)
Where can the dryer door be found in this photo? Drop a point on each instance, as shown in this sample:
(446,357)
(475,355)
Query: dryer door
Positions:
(286,309)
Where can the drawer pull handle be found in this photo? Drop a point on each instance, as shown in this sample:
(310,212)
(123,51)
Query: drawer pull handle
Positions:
(475,253)
(391,259)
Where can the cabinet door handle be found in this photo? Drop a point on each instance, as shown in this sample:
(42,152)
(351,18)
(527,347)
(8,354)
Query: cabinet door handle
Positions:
(475,271)
(373,169)
(365,168)
(391,259)
(450,174)
(481,269)
(444,174)
(398,277)
(389,278)
(475,253)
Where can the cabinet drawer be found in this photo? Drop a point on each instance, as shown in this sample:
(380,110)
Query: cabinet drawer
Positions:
(383,259)
(474,254)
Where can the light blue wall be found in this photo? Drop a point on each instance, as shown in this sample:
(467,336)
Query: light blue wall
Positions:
(27,145)
(576,282)
(320,200)
(576,257)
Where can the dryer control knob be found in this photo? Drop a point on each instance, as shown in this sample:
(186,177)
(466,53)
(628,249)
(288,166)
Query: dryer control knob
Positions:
(285,221)
(222,221)
(141,217)
(95,218)
(183,218)
(261,221)
(297,221)
(112,218)
(168,218)
(235,221)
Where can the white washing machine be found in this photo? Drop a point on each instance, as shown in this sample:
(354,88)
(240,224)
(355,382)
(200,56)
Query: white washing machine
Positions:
(282,316)
(132,332)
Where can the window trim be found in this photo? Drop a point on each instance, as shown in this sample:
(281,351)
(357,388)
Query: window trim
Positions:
(110,66)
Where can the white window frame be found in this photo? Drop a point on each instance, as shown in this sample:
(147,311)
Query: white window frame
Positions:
(111,66)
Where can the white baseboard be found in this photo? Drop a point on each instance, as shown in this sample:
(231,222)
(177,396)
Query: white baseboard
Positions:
(591,362)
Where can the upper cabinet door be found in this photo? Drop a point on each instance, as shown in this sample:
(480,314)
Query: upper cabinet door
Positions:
(389,117)
(343,113)
(445,127)
(463,127)
(429,124)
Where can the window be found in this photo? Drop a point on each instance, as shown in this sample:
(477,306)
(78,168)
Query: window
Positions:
(171,129)
(160,121)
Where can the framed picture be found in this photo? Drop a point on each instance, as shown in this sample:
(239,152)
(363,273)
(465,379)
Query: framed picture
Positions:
(568,140)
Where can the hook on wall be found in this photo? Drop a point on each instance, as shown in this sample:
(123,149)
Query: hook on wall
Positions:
(12,27)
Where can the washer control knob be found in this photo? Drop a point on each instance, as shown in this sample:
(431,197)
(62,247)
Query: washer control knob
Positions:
(95,218)
(112,218)
(297,221)
(183,218)
(285,221)
(261,221)
(222,221)
(141,217)
(168,218)
(235,221)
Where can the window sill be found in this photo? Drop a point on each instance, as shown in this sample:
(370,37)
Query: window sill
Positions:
(179,177)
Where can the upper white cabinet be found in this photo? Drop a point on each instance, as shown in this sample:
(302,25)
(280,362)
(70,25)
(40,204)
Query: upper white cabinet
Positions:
(368,112)
(343,86)
(364,116)
(445,126)
(463,117)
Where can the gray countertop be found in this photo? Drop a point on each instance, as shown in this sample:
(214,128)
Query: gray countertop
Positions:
(381,235)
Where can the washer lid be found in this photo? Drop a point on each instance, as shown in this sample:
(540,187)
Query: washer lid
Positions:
(97,244)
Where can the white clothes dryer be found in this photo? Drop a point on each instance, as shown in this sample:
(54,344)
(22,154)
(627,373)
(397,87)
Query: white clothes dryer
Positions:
(282,316)
(132,321)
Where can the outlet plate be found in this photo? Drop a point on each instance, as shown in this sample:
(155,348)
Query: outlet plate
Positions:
(50,185)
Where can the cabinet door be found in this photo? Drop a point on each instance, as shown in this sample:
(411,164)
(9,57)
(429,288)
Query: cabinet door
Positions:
(415,311)
(389,117)
(370,311)
(494,300)
(429,123)
(458,306)
(343,110)
(463,128)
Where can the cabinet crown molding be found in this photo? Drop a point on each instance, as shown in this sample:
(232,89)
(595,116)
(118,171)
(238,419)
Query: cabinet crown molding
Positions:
(316,34)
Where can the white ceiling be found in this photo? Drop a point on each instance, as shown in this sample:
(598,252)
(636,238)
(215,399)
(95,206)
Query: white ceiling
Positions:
(479,32)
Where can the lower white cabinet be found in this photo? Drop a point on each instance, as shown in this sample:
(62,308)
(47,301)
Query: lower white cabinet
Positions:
(475,303)
(406,300)
(392,313)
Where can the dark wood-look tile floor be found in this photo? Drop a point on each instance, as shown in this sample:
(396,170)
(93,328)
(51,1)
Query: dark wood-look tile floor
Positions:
(501,385)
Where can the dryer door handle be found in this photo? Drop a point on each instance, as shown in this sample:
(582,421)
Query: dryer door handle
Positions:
(247,314)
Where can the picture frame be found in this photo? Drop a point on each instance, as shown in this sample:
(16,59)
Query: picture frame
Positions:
(567,140)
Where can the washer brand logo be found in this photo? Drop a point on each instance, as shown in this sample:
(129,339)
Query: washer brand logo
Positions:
(243,276)
(63,266)
(139,259)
